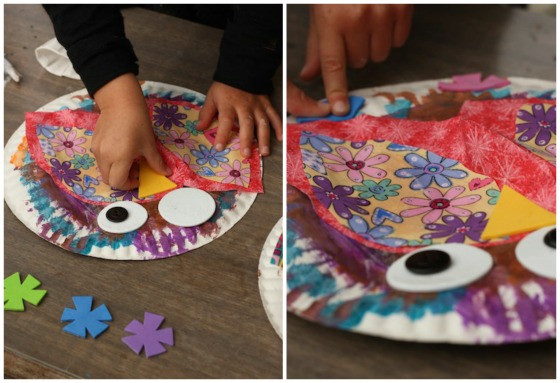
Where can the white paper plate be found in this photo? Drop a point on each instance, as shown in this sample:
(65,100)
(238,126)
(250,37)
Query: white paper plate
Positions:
(71,224)
(270,280)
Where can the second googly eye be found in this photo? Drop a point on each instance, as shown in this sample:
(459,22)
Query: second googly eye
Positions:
(537,252)
(438,268)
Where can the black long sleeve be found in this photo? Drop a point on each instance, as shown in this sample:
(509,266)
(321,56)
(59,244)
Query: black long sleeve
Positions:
(251,49)
(94,38)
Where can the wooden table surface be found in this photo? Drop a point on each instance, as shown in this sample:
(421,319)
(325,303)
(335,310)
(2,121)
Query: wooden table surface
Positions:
(445,40)
(209,296)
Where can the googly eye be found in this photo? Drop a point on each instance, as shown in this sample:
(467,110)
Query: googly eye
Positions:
(187,207)
(438,268)
(122,217)
(537,252)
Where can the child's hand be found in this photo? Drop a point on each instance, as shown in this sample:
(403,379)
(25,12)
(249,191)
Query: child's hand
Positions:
(300,104)
(252,112)
(124,133)
(341,35)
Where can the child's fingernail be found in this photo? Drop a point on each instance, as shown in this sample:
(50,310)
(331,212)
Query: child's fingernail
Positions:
(168,171)
(265,150)
(219,147)
(340,107)
(246,152)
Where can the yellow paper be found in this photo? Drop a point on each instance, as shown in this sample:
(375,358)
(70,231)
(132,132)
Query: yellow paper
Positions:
(515,214)
(151,182)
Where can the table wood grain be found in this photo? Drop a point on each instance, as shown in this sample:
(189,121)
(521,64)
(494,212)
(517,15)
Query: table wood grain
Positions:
(209,296)
(445,40)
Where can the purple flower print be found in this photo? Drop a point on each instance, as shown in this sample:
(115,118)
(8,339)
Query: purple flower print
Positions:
(126,195)
(167,115)
(318,142)
(338,197)
(426,170)
(377,234)
(63,172)
(457,230)
(210,156)
(540,123)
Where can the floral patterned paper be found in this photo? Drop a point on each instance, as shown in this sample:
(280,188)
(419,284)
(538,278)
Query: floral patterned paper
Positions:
(60,142)
(392,197)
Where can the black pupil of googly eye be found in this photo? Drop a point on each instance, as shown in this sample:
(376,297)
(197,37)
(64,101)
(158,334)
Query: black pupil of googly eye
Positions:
(428,262)
(550,238)
(117,214)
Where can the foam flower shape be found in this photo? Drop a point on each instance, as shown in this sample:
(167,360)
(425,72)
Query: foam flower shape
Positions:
(15,292)
(210,156)
(234,174)
(539,123)
(437,203)
(318,141)
(148,336)
(83,318)
(458,230)
(70,144)
(381,190)
(167,115)
(338,197)
(357,165)
(376,234)
(180,141)
(429,169)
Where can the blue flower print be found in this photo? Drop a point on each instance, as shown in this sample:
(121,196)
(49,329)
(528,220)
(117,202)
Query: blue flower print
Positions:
(400,148)
(318,142)
(46,130)
(376,234)
(47,147)
(426,170)
(86,193)
(210,156)
(313,160)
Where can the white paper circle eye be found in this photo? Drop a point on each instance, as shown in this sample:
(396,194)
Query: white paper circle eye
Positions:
(187,207)
(464,265)
(536,255)
(122,217)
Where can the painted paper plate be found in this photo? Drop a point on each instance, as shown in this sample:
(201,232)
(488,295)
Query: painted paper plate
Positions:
(337,281)
(67,222)
(271,276)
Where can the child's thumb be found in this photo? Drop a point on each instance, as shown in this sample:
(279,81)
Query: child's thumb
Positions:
(156,162)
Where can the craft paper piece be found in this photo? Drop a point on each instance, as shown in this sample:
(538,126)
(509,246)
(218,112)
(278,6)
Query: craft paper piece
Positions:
(175,125)
(473,83)
(60,143)
(430,193)
(151,182)
(523,121)
(84,318)
(277,256)
(356,104)
(148,336)
(515,214)
(15,292)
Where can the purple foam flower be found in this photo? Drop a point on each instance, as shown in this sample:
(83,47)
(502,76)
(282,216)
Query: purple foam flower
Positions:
(540,123)
(318,141)
(64,172)
(338,197)
(429,169)
(457,230)
(167,116)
